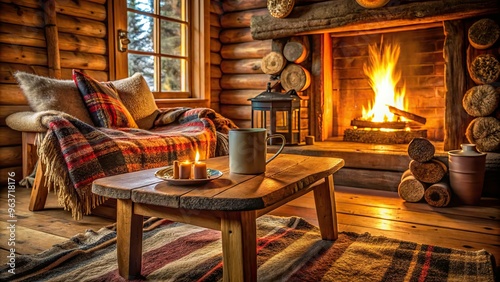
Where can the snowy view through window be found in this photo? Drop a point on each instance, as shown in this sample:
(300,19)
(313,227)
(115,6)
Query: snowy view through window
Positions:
(158,30)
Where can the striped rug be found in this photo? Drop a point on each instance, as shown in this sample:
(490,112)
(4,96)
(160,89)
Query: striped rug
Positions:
(289,249)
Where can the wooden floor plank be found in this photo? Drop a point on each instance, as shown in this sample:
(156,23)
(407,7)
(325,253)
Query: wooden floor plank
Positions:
(53,220)
(28,240)
(380,213)
(420,216)
(488,208)
(57,223)
(407,232)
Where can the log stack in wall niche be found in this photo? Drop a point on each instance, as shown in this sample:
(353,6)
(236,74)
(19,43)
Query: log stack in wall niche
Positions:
(482,100)
(288,66)
(49,40)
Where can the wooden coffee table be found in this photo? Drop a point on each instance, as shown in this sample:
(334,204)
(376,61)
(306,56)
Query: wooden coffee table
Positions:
(230,204)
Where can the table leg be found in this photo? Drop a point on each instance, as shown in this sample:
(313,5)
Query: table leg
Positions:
(129,240)
(324,197)
(239,246)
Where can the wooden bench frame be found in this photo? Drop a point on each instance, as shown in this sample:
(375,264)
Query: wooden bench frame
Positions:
(30,160)
(40,191)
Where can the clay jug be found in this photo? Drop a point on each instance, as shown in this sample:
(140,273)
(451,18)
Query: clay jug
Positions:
(467,167)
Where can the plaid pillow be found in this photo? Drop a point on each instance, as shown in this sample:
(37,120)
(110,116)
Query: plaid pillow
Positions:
(103,103)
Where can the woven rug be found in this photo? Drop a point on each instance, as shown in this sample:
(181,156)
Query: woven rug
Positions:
(289,249)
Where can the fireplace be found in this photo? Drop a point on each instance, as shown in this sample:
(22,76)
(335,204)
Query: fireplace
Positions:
(417,72)
(433,61)
(433,68)
(436,87)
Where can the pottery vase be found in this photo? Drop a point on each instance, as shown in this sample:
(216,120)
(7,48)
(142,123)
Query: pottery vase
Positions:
(467,168)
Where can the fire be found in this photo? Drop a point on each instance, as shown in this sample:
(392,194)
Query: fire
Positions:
(384,76)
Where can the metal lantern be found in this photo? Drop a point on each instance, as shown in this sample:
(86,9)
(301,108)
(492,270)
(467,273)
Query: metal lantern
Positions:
(279,113)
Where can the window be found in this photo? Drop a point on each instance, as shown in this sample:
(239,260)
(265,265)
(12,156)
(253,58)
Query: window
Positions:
(164,35)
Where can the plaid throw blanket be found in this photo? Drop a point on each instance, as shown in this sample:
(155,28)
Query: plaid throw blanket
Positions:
(75,153)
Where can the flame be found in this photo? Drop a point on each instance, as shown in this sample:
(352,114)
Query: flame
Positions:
(384,77)
(197,157)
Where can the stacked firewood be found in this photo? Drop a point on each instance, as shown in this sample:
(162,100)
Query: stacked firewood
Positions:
(426,177)
(483,100)
(287,63)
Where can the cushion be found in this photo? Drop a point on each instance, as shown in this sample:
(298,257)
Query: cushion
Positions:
(138,99)
(103,103)
(44,94)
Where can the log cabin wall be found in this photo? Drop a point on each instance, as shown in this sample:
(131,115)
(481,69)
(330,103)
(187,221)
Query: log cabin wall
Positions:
(215,57)
(31,42)
(242,77)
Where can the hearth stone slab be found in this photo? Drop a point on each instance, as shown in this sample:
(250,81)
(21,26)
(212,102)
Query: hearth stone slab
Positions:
(380,166)
(382,137)
(372,166)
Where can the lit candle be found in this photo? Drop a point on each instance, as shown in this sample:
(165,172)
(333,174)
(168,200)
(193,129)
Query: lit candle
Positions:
(185,170)
(176,169)
(199,168)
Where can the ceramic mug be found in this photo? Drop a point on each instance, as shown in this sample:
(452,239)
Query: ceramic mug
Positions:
(248,149)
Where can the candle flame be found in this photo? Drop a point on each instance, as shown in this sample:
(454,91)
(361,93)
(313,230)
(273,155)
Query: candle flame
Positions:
(197,157)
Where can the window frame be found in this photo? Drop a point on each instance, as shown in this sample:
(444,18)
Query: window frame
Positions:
(198,53)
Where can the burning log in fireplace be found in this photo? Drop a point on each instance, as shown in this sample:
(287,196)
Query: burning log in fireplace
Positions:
(387,132)
(386,120)
(407,115)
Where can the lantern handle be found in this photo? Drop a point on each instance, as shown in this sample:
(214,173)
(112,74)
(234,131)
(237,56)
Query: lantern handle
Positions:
(268,88)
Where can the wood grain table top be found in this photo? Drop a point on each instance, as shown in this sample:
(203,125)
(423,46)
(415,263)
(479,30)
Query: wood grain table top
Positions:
(284,176)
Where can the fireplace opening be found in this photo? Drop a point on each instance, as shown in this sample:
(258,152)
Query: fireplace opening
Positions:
(413,62)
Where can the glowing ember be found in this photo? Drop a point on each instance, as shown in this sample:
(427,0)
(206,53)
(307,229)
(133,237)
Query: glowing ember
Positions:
(384,77)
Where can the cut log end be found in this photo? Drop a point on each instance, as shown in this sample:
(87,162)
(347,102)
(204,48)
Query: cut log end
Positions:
(429,172)
(485,133)
(438,195)
(273,63)
(483,33)
(421,150)
(481,100)
(484,69)
(411,190)
(295,77)
(406,174)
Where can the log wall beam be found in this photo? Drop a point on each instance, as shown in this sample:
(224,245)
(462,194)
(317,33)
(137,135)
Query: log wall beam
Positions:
(38,56)
(344,15)
(52,38)
(246,50)
(81,8)
(241,19)
(456,119)
(30,17)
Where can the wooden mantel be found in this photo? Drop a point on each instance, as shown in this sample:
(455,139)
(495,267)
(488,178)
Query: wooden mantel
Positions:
(347,15)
